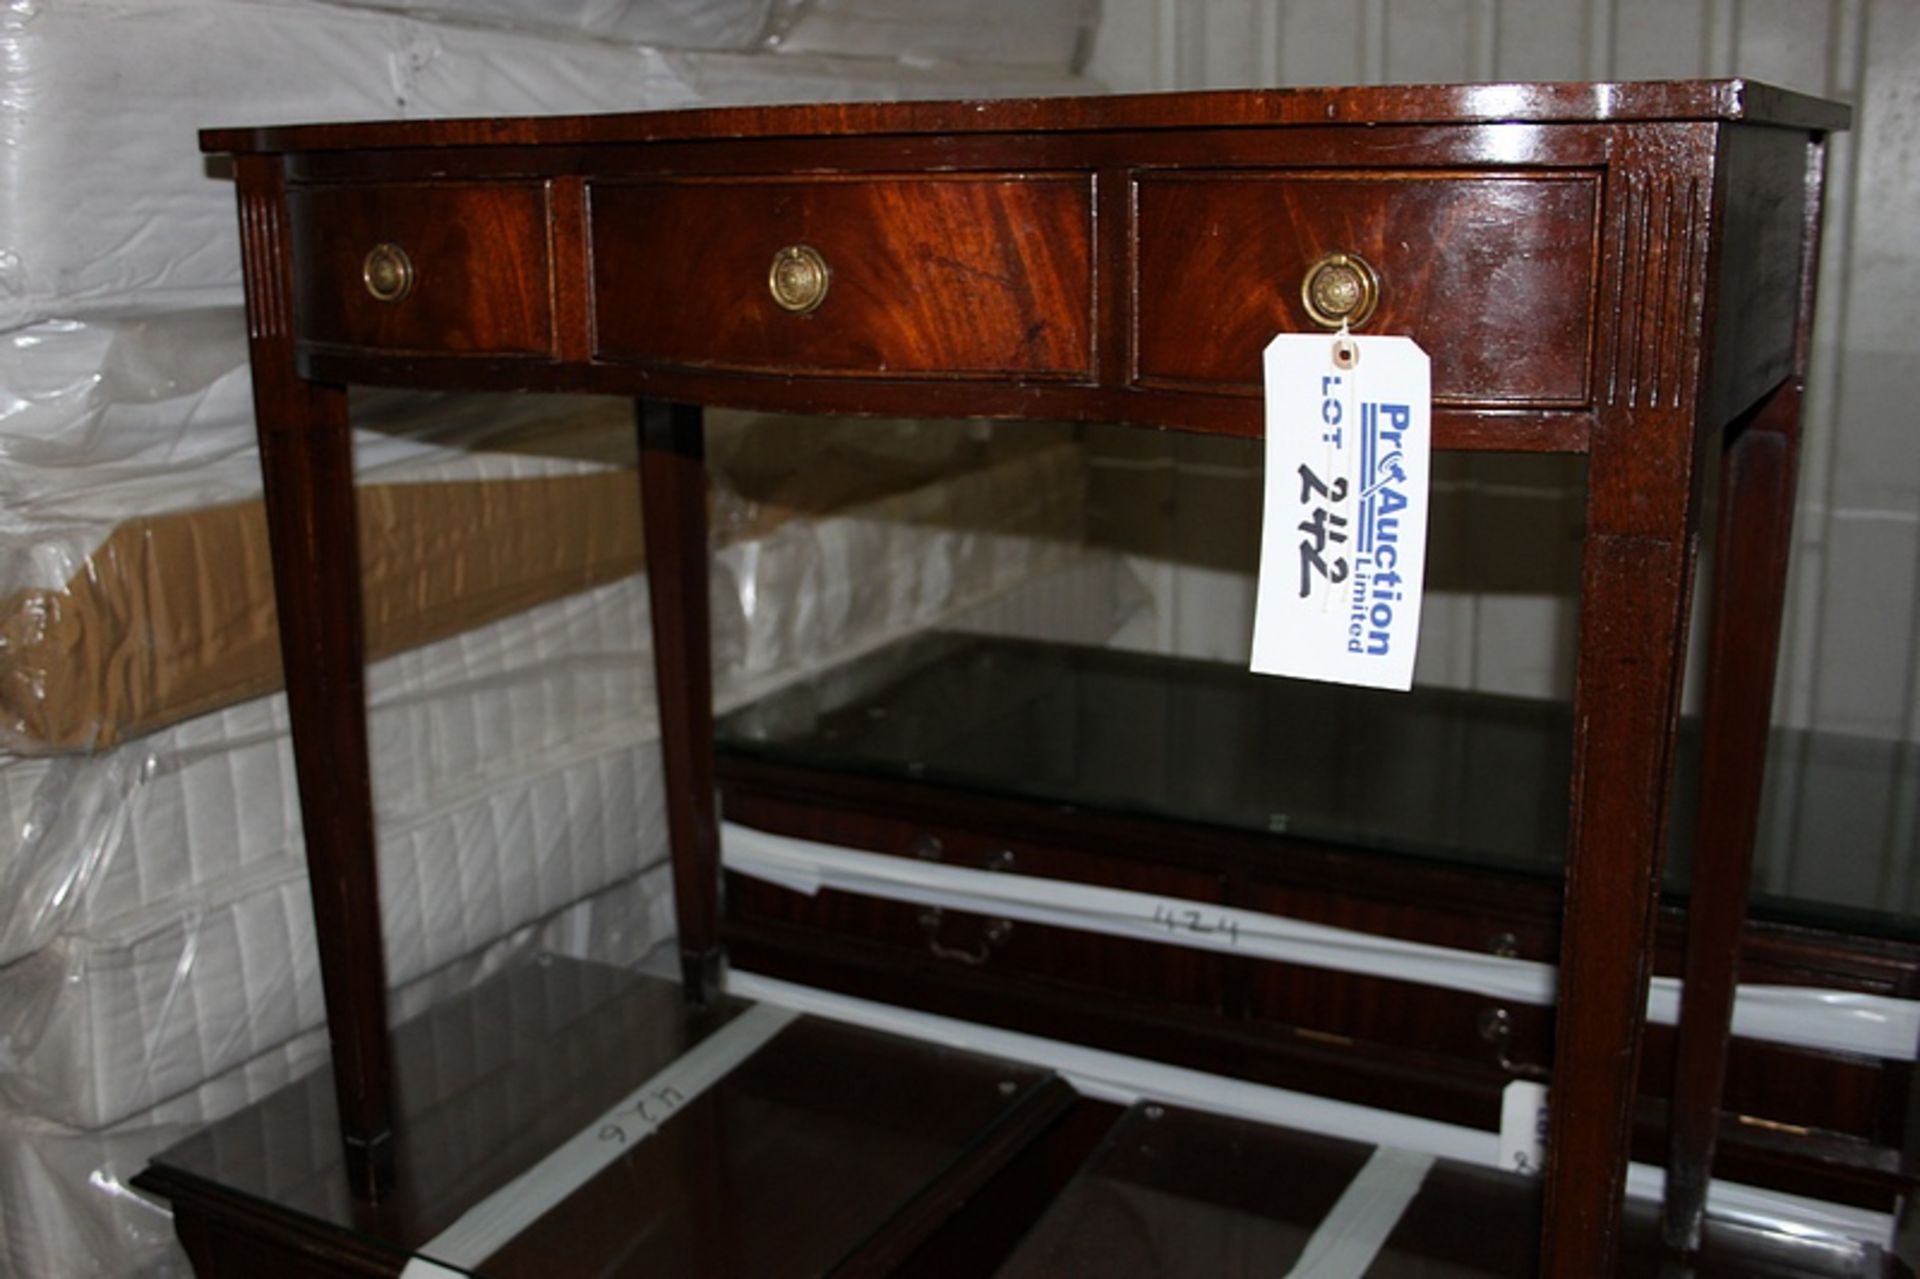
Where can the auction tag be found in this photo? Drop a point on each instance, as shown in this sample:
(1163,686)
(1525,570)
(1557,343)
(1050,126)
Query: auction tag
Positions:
(1523,1126)
(1343,548)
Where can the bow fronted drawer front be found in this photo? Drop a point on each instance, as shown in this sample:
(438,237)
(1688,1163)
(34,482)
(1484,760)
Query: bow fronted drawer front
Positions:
(935,276)
(1494,274)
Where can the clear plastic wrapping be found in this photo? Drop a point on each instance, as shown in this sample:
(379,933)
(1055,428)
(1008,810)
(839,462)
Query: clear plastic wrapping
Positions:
(108,208)
(153,888)
(124,393)
(673,24)
(66,1206)
(152,907)
(133,603)
(1052,34)
(830,535)
(126,611)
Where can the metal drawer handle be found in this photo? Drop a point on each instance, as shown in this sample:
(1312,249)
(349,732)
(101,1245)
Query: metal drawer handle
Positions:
(798,278)
(1340,289)
(1496,1027)
(388,272)
(997,933)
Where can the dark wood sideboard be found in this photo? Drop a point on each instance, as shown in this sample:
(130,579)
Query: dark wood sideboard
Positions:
(1435,817)
(1622,271)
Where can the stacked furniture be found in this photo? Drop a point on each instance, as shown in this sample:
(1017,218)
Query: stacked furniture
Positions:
(1622,271)
(1401,851)
(156,946)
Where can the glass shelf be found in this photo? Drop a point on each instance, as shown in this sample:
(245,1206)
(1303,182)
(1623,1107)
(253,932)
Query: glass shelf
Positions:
(1462,778)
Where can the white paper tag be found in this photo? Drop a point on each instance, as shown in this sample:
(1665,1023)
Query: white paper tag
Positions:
(1523,1126)
(1343,551)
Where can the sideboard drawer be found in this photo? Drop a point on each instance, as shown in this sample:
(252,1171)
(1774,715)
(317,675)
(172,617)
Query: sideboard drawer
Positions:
(969,942)
(954,276)
(1493,274)
(431,267)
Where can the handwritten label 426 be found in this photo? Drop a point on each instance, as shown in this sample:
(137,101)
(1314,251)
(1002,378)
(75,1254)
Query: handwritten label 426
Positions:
(641,1115)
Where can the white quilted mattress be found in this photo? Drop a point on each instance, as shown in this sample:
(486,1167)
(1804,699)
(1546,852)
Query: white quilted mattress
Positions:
(161,936)
(146,222)
(65,1206)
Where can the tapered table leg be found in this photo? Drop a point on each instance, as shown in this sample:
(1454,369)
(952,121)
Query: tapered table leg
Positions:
(1743,644)
(306,459)
(1633,621)
(673,482)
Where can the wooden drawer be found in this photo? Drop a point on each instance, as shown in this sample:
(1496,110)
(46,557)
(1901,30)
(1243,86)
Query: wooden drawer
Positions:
(926,276)
(1493,274)
(1400,1013)
(1778,1083)
(477,276)
(962,940)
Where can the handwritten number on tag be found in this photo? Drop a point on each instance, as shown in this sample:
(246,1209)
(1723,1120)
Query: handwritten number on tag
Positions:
(1343,527)
(1321,527)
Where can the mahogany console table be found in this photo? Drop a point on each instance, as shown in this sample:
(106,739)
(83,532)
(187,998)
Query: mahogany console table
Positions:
(1620,270)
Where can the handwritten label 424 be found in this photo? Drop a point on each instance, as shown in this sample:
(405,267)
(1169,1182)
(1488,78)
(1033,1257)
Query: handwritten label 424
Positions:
(1179,919)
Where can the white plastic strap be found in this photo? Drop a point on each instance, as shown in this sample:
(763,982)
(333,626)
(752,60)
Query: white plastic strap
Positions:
(1843,1021)
(1125,1080)
(490,1224)
(1356,1228)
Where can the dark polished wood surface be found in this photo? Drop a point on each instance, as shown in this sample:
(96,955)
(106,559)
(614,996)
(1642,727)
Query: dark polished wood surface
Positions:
(673,487)
(1426,816)
(1564,102)
(1692,196)
(1173,1193)
(1817,1123)
(1541,307)
(829,1150)
(479,254)
(1758,469)
(306,465)
(483,1085)
(1437,236)
(1001,261)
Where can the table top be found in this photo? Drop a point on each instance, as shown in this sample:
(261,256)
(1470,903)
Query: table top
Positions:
(1538,102)
(820,1142)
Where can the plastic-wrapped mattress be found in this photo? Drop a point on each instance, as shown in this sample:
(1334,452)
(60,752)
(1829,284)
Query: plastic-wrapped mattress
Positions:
(151,931)
(106,205)
(65,1206)
(122,351)
(159,883)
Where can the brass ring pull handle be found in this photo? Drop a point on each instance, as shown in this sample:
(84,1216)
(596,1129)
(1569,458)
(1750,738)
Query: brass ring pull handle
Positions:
(798,278)
(1340,288)
(388,272)
(997,933)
